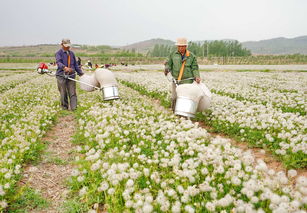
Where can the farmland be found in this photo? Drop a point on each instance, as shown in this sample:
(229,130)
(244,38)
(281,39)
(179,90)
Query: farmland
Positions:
(134,155)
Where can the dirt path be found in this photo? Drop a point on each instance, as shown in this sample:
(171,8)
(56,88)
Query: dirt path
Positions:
(49,176)
(258,153)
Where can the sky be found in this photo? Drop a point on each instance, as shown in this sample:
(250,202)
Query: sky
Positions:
(123,22)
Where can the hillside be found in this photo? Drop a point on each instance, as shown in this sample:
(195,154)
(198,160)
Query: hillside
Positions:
(33,50)
(275,46)
(50,49)
(144,46)
(278,46)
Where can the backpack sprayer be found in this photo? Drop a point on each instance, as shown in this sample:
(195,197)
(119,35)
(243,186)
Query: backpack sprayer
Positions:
(185,105)
(109,92)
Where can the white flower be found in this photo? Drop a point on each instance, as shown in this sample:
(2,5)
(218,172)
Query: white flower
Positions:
(75,172)
(8,175)
(3,204)
(180,189)
(185,198)
(80,178)
(129,204)
(301,181)
(210,206)
(111,191)
(146,172)
(130,183)
(148,198)
(83,191)
(176,208)
(95,166)
(7,185)
(235,180)
(275,199)
(103,186)
(147,208)
(189,209)
(171,192)
(2,192)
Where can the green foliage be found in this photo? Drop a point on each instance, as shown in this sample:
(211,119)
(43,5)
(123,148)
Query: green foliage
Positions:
(161,50)
(74,206)
(214,48)
(28,200)
(162,97)
(254,138)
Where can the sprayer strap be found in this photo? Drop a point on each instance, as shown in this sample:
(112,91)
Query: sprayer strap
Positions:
(68,59)
(182,66)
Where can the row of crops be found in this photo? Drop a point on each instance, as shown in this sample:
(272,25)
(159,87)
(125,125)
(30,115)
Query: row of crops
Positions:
(27,108)
(267,110)
(135,157)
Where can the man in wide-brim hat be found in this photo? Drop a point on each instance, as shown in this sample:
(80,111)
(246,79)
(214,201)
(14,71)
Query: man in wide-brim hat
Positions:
(183,66)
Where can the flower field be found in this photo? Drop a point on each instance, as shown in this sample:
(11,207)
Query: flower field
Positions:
(26,111)
(135,156)
(267,110)
(9,81)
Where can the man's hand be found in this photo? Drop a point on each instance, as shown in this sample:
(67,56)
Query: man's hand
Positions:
(67,70)
(198,79)
(166,71)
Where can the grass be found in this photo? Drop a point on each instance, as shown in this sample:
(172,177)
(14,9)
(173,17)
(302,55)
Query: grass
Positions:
(74,206)
(248,70)
(27,200)
(54,160)
(35,151)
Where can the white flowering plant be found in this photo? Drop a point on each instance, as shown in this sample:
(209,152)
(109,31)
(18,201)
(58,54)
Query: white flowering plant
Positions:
(263,125)
(26,112)
(135,158)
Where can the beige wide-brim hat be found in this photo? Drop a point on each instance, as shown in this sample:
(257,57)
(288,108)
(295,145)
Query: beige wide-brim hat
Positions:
(66,42)
(182,42)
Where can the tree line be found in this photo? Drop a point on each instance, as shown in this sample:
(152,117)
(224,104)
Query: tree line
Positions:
(205,49)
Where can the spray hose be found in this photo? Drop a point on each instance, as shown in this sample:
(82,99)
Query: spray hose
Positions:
(50,73)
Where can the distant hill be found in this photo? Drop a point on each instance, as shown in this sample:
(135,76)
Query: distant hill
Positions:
(145,46)
(275,46)
(31,50)
(50,50)
(278,46)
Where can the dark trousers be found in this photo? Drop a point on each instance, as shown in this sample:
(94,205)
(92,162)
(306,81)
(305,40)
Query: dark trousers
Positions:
(174,96)
(67,88)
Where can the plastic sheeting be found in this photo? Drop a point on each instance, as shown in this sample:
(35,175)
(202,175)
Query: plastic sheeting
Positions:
(205,100)
(105,77)
(88,79)
(199,93)
(190,91)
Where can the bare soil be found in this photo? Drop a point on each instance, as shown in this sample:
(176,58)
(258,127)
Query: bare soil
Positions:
(258,153)
(49,176)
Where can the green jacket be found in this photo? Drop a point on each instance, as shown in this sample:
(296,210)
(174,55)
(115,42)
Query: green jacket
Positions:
(174,63)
